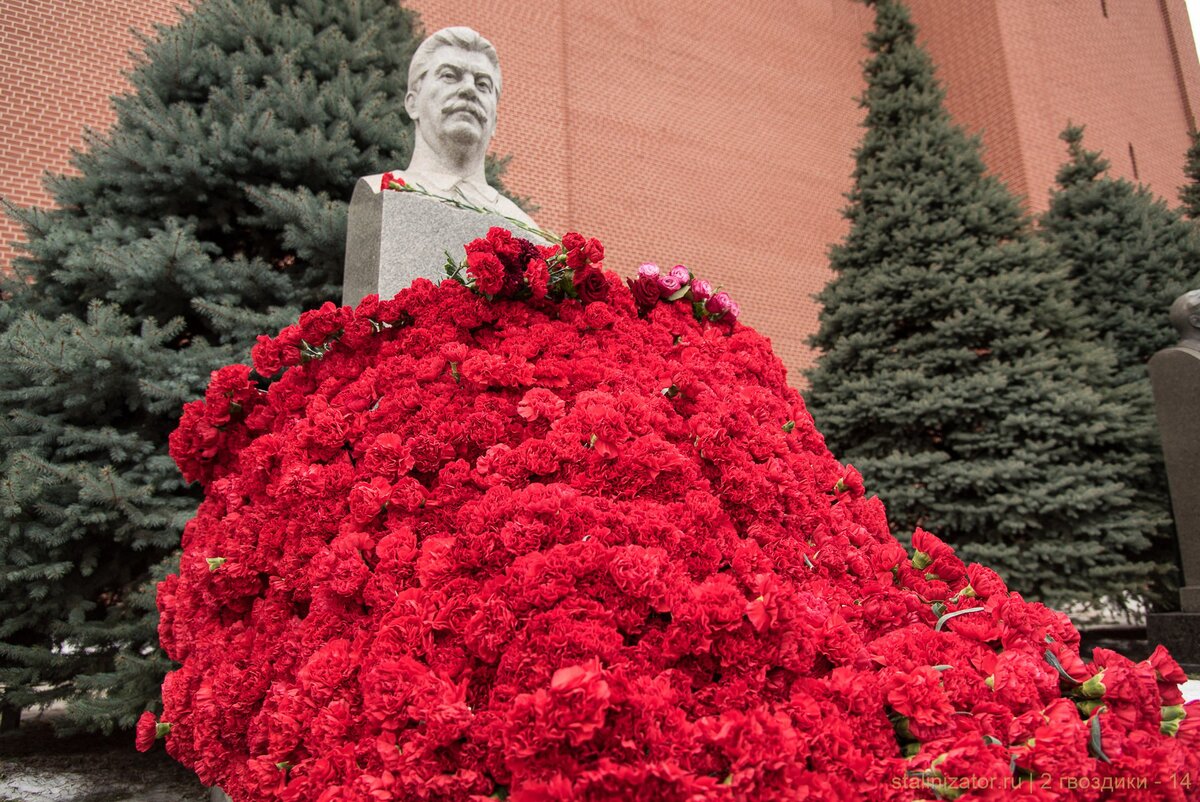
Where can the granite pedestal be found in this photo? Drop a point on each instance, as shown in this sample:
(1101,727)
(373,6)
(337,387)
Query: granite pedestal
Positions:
(394,237)
(1175,376)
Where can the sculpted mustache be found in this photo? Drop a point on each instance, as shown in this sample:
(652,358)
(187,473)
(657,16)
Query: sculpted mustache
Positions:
(467,107)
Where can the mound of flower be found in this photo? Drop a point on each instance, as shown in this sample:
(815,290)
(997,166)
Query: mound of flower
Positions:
(535,535)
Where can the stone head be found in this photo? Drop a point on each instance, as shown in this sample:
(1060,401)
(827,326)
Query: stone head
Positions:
(454,88)
(1185,316)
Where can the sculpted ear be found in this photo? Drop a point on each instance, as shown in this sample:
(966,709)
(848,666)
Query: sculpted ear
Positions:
(410,105)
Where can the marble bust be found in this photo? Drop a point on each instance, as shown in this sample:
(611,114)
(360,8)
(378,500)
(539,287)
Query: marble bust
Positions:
(453,90)
(1185,316)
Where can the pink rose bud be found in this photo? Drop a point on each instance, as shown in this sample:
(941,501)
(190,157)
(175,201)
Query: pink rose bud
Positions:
(669,283)
(719,304)
(701,290)
(734,310)
(648,270)
(682,273)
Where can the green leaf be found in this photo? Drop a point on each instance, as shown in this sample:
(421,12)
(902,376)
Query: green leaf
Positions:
(1094,745)
(1057,666)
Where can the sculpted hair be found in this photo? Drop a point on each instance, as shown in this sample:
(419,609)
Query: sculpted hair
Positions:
(1185,315)
(458,36)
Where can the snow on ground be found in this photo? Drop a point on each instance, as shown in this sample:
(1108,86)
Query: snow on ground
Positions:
(39,786)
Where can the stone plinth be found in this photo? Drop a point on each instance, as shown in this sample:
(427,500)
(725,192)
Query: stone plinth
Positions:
(394,237)
(1175,375)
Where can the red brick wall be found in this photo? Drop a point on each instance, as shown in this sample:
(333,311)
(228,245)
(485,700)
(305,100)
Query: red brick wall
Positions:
(969,51)
(697,133)
(1019,70)
(60,60)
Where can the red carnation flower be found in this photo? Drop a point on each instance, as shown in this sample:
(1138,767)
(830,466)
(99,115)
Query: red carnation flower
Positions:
(582,251)
(560,549)
(507,247)
(537,273)
(487,271)
(391,181)
(146,731)
(919,696)
(266,356)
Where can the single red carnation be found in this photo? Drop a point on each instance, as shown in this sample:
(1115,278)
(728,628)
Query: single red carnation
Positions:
(487,271)
(582,251)
(1169,676)
(266,356)
(146,731)
(918,695)
(507,247)
(537,273)
(391,181)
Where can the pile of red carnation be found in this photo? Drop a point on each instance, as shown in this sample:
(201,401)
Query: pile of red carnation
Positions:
(547,545)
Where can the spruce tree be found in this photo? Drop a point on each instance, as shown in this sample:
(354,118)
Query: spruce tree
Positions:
(1129,256)
(955,372)
(1189,193)
(213,210)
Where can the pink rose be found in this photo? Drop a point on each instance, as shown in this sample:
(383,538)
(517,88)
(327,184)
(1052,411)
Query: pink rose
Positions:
(682,273)
(719,304)
(648,270)
(669,283)
(701,290)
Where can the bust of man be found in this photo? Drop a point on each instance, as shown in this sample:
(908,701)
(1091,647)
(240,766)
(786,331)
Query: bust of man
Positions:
(1185,316)
(453,90)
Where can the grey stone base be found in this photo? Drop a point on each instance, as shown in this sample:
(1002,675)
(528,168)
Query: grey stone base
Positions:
(1189,598)
(394,237)
(1180,633)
